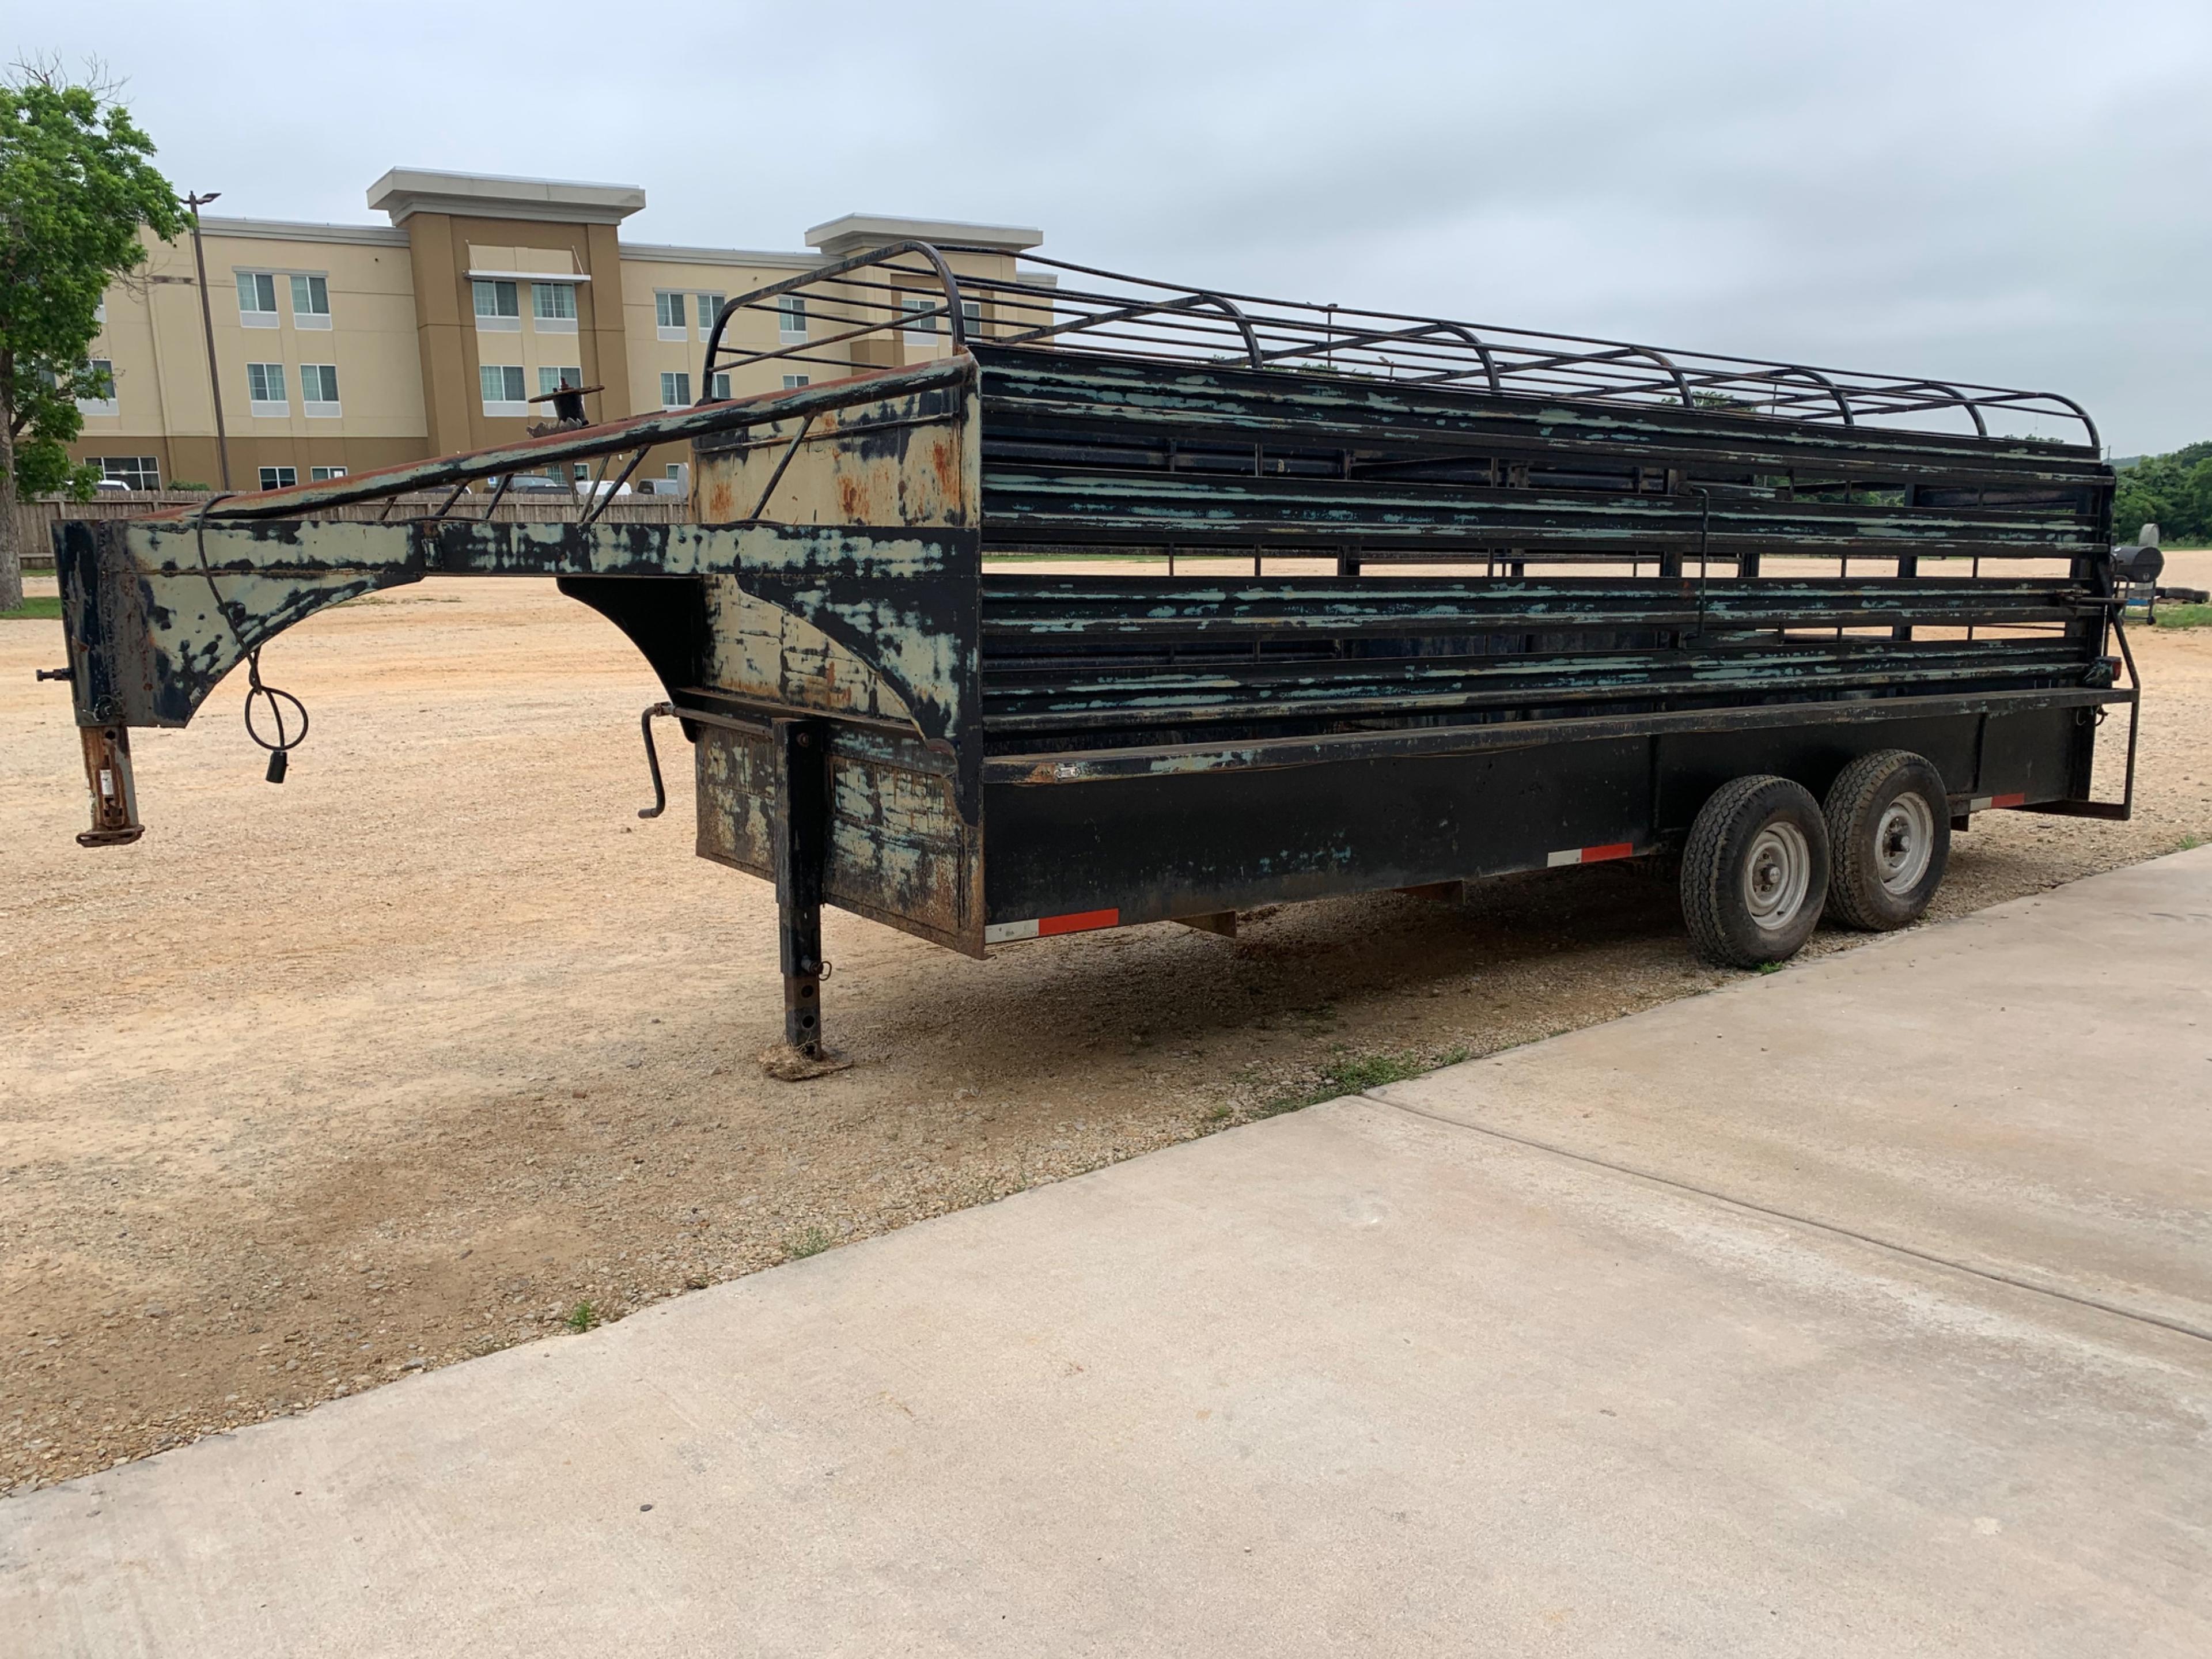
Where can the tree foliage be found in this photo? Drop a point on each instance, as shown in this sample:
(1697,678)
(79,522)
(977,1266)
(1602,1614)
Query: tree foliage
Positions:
(2173,492)
(76,185)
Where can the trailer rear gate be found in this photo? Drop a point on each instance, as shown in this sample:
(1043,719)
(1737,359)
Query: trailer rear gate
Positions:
(1064,624)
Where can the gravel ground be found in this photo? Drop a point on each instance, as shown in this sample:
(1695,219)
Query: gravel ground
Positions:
(439,1048)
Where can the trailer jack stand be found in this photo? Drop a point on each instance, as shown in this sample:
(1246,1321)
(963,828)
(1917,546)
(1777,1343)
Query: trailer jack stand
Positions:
(114,797)
(801,827)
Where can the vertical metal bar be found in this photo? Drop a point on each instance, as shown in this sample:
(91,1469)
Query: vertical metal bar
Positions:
(1704,555)
(1258,463)
(802,853)
(1908,564)
(2135,716)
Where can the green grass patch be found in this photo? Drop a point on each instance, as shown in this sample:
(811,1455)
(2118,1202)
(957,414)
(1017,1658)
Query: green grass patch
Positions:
(2169,616)
(581,1317)
(1355,1074)
(47,607)
(813,1242)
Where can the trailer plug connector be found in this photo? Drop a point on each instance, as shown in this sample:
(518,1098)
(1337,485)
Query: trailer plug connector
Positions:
(267,697)
(67,676)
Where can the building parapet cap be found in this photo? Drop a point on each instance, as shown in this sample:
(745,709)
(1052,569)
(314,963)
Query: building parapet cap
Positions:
(858,231)
(291,230)
(404,192)
(721,255)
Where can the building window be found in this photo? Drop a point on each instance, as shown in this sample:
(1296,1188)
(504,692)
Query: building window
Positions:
(719,389)
(675,471)
(499,306)
(311,302)
(550,380)
(668,315)
(919,328)
(103,371)
(791,316)
(675,391)
(710,306)
(279,478)
(131,471)
(264,389)
(971,318)
(791,381)
(256,298)
(319,390)
(324,474)
(553,306)
(502,387)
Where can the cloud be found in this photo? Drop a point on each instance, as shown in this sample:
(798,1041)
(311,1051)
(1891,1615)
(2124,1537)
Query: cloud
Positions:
(2006,193)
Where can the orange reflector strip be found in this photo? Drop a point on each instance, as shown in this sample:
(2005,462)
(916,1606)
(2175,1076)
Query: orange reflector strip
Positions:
(1080,921)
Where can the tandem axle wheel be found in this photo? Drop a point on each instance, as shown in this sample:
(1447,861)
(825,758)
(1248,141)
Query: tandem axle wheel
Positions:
(1765,860)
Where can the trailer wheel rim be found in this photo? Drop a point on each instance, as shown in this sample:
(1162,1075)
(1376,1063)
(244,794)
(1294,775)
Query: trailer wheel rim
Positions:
(1904,842)
(1777,874)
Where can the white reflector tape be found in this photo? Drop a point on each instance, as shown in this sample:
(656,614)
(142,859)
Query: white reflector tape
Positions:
(1617,849)
(1075,921)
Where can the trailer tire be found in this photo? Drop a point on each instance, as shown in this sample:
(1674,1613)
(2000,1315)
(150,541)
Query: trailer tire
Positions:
(1889,836)
(1755,872)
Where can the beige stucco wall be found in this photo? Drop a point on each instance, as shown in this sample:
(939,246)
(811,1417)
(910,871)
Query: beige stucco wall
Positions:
(405,340)
(155,336)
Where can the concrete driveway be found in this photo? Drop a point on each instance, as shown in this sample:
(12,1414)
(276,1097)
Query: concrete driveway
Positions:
(1862,1308)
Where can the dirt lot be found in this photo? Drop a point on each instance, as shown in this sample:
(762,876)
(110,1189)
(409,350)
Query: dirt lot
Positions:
(407,1059)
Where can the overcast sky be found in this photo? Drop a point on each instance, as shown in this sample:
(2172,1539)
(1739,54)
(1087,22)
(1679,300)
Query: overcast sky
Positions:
(2016,192)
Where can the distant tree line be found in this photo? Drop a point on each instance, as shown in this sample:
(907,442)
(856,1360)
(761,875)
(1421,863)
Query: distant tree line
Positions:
(2173,492)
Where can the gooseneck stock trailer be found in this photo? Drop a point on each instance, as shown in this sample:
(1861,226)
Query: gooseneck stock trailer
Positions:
(1060,600)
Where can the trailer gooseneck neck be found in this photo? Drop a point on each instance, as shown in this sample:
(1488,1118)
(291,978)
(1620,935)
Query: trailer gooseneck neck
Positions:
(1057,599)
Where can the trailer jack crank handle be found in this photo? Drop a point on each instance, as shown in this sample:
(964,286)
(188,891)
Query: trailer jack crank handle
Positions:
(652,759)
(114,798)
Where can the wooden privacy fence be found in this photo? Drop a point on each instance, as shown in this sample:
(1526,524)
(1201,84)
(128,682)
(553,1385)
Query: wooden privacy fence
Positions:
(38,518)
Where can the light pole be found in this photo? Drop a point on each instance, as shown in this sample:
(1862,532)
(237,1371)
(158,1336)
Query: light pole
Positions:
(207,323)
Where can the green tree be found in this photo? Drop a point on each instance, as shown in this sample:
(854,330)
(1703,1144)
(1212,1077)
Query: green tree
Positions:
(76,186)
(2173,492)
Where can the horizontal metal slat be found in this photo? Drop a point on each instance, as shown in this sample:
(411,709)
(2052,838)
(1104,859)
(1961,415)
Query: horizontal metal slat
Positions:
(1190,699)
(1067,766)
(1183,508)
(1075,609)
(1030,386)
